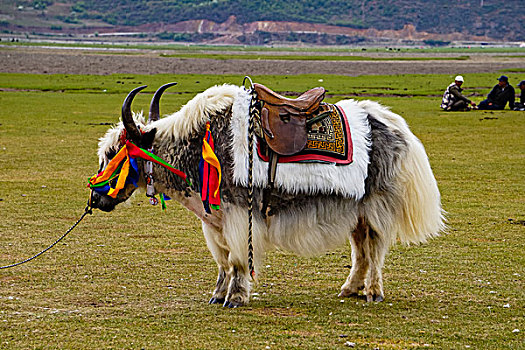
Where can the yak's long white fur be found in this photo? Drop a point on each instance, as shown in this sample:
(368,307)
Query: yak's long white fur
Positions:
(197,112)
(306,178)
(419,215)
(314,228)
(182,123)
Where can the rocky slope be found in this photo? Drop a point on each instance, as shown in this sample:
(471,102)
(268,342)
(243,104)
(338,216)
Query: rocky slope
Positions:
(272,21)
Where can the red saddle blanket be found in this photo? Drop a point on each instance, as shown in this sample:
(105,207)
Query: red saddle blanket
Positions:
(329,141)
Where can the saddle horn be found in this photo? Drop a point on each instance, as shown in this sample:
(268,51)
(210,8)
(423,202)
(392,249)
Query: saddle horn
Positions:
(154,109)
(127,119)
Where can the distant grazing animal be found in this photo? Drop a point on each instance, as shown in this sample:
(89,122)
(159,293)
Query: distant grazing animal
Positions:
(386,193)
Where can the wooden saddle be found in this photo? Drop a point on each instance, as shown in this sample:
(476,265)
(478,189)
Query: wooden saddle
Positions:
(284,120)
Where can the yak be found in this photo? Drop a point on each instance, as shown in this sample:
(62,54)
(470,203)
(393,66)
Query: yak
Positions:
(388,193)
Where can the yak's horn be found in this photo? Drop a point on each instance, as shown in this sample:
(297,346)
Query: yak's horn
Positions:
(127,119)
(154,110)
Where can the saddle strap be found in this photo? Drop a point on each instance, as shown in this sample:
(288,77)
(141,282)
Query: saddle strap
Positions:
(272,169)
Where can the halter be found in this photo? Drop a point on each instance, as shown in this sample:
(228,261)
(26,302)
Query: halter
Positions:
(124,169)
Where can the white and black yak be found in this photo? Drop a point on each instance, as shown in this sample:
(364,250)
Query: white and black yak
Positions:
(388,193)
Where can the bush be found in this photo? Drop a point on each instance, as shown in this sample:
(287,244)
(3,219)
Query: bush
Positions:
(436,42)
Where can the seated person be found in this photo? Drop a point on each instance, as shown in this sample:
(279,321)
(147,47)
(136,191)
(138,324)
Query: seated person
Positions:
(502,93)
(453,100)
(520,106)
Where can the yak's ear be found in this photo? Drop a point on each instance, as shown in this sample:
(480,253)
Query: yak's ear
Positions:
(147,138)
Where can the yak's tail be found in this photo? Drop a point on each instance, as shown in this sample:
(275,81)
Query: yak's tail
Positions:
(421,216)
(416,214)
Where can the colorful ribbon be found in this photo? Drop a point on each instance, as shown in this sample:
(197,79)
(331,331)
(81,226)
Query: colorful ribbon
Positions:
(210,173)
(119,167)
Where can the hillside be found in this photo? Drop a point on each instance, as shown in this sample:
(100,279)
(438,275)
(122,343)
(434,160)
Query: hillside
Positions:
(258,21)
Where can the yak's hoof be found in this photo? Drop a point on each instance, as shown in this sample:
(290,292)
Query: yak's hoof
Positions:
(215,300)
(377,298)
(232,304)
(346,294)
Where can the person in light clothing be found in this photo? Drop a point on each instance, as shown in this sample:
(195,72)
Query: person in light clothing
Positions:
(454,100)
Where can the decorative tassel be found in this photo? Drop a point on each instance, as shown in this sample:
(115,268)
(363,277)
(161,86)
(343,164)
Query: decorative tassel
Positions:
(162,201)
(210,173)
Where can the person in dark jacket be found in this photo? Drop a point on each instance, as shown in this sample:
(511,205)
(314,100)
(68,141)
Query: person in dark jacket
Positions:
(453,100)
(520,106)
(502,93)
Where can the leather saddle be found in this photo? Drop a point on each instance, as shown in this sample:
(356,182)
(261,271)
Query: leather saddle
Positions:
(284,120)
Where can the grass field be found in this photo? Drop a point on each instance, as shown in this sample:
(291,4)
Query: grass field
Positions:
(140,278)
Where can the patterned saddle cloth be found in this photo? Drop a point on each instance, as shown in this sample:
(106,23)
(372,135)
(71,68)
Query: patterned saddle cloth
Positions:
(328,140)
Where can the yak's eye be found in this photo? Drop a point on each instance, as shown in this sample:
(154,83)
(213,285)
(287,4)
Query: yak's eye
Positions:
(111,154)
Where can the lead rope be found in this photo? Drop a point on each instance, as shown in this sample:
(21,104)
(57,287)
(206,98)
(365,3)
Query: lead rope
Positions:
(251,126)
(87,211)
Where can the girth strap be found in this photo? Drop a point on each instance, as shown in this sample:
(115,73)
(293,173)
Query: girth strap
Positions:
(272,169)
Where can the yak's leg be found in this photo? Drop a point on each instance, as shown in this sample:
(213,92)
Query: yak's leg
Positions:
(239,288)
(376,248)
(360,263)
(236,235)
(219,250)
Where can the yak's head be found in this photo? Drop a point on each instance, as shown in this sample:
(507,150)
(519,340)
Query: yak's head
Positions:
(130,129)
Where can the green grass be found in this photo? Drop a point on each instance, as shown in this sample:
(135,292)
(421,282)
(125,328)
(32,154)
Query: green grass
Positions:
(341,86)
(140,278)
(514,70)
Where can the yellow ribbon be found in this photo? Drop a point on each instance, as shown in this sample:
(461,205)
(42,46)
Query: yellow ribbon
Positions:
(110,169)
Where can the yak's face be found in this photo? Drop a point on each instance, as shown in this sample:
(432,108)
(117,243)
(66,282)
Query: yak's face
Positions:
(107,151)
(114,140)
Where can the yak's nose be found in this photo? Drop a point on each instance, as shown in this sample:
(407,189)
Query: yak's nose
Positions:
(93,200)
(98,201)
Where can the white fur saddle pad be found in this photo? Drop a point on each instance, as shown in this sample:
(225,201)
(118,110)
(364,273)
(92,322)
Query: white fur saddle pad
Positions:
(304,178)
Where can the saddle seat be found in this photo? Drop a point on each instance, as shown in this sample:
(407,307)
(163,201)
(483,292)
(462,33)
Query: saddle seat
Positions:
(306,103)
(283,120)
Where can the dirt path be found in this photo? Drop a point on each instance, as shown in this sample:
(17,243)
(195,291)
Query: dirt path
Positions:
(71,61)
